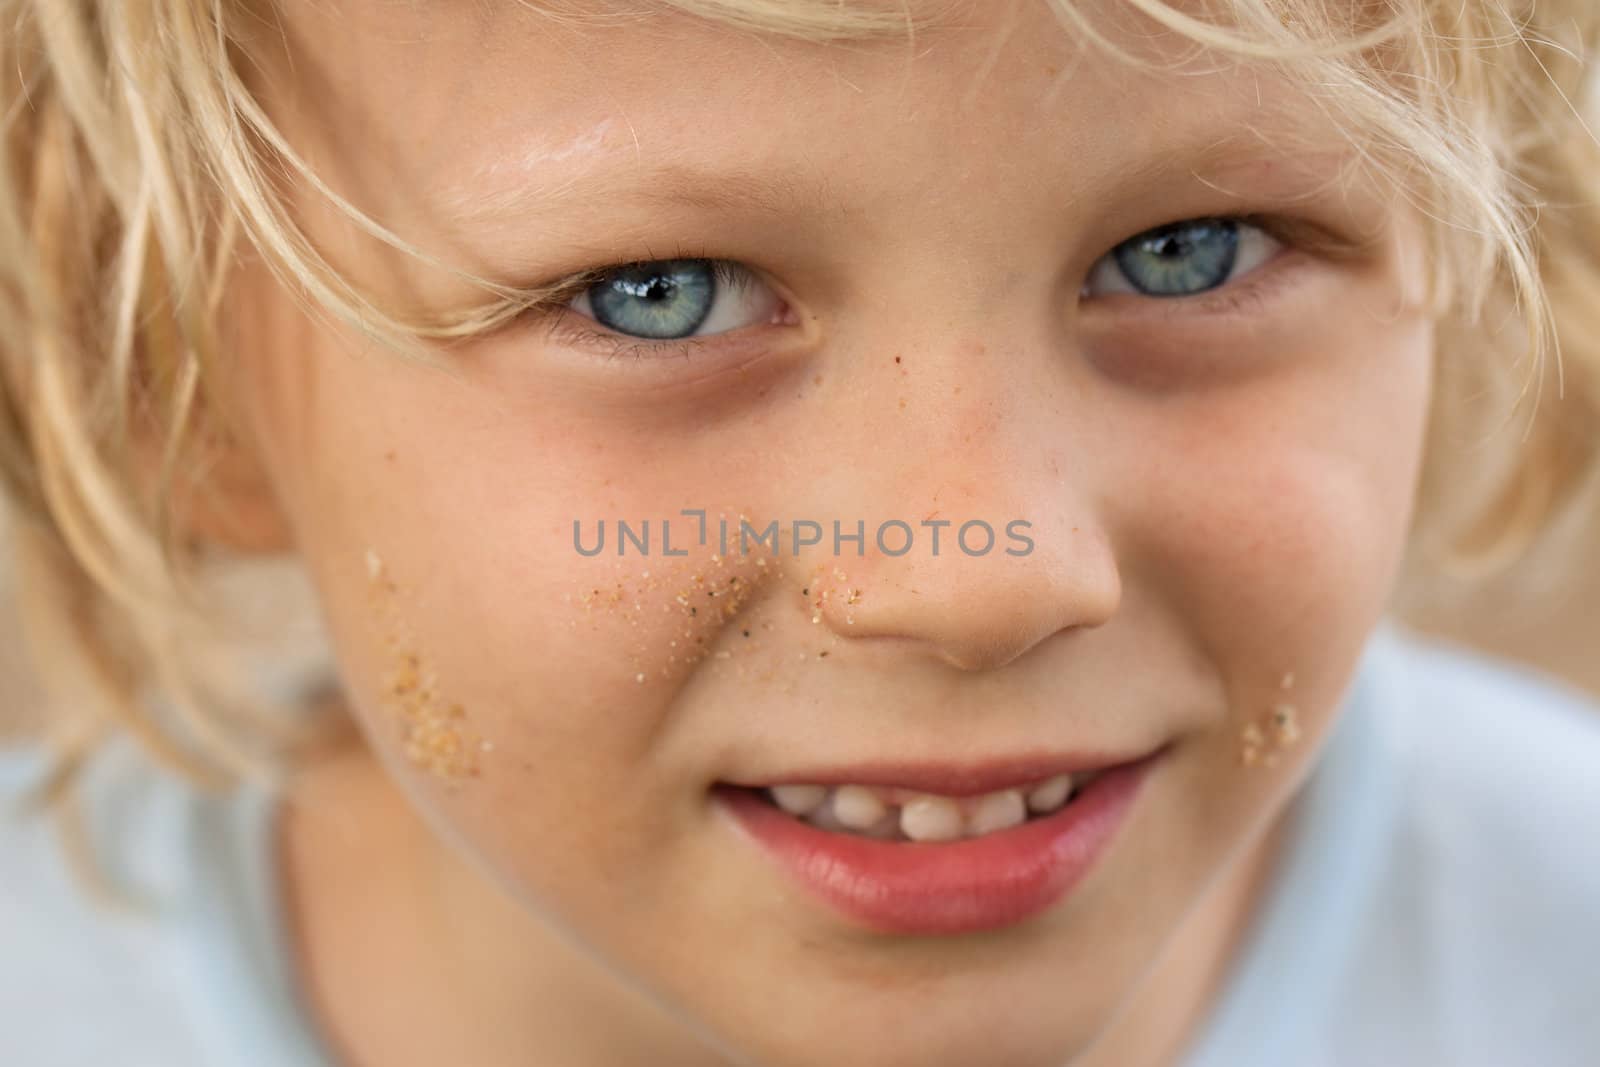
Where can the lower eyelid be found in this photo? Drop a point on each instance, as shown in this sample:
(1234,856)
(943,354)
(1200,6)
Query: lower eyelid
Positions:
(594,343)
(573,329)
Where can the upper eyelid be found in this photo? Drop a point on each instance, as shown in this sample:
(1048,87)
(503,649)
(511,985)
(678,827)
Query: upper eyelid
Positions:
(1267,224)
(556,291)
(1324,219)
(1294,232)
(1308,235)
(1302,233)
(563,290)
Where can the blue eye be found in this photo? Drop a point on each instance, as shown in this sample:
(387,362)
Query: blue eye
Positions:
(655,300)
(675,298)
(1182,259)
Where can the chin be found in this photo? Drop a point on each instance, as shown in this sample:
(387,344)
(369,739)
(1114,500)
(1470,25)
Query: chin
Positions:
(1001,1040)
(1000,1022)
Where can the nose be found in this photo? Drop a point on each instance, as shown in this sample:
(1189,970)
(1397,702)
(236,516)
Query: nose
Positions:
(972,609)
(995,541)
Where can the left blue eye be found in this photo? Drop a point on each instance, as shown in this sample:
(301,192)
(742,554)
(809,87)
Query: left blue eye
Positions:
(671,299)
(658,300)
(1182,259)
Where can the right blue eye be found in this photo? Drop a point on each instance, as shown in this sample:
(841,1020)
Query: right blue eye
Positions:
(1182,259)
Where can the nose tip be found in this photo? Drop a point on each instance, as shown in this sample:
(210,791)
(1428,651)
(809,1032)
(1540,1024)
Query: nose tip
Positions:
(979,612)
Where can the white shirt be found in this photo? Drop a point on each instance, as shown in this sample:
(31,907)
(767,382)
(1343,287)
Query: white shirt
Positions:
(1438,904)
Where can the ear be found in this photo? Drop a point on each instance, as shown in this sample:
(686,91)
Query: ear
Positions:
(216,490)
(220,493)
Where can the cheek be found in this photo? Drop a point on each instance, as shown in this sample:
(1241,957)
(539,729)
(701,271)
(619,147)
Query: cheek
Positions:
(1268,526)
(496,668)
(1287,504)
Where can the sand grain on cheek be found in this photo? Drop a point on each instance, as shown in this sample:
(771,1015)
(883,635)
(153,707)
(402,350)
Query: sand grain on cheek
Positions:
(682,611)
(673,611)
(1270,733)
(434,732)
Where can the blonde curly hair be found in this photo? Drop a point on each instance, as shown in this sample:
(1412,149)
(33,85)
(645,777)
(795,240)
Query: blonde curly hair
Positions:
(135,163)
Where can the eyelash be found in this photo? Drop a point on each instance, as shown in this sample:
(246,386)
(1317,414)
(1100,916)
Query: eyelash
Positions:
(619,346)
(565,327)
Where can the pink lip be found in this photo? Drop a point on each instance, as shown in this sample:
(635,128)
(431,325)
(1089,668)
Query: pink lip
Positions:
(961,886)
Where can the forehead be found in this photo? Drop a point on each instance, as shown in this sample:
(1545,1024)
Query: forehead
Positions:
(481,112)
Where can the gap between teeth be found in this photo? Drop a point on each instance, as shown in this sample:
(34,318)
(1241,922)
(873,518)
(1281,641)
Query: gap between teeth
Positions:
(904,814)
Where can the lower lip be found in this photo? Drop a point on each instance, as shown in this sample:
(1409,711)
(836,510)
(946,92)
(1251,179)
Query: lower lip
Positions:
(982,883)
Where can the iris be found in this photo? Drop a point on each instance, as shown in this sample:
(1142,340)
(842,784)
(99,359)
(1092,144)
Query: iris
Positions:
(1181,259)
(660,300)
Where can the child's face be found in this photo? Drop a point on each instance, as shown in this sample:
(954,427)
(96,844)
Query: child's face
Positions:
(1218,486)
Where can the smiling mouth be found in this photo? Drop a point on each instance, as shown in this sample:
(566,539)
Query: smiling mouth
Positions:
(939,848)
(898,814)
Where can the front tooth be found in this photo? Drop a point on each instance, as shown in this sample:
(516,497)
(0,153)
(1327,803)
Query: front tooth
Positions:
(799,799)
(857,807)
(997,811)
(928,818)
(1050,794)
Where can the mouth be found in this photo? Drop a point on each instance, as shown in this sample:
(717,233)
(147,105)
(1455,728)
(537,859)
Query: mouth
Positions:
(899,813)
(939,850)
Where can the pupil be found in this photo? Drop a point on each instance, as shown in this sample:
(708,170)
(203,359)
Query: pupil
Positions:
(656,289)
(1173,245)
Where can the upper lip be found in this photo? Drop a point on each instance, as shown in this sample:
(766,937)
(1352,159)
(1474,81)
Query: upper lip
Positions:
(956,779)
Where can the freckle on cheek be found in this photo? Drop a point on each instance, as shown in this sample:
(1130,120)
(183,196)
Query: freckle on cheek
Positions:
(434,733)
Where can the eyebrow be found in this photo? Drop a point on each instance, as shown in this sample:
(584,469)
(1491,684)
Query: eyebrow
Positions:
(663,185)
(787,193)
